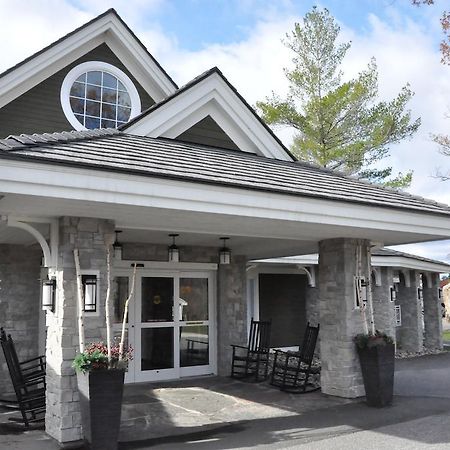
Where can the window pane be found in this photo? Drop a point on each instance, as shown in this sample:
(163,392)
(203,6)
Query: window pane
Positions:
(109,95)
(123,114)
(80,118)
(77,105)
(108,111)
(193,301)
(92,122)
(94,78)
(93,92)
(109,80)
(157,299)
(124,99)
(121,86)
(78,89)
(108,123)
(92,108)
(156,348)
(194,346)
(120,295)
(81,78)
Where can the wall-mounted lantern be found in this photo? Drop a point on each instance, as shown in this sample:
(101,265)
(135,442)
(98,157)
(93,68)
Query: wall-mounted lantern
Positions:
(174,251)
(90,292)
(440,293)
(48,294)
(420,293)
(117,246)
(393,293)
(225,252)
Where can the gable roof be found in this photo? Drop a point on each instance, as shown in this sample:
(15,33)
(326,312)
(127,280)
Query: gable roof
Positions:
(112,150)
(108,27)
(275,148)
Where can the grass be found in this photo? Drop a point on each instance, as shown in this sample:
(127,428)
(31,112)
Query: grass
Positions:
(446,335)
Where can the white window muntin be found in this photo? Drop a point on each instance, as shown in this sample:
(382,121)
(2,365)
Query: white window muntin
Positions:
(93,66)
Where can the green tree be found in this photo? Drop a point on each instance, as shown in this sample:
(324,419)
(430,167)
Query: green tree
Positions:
(339,125)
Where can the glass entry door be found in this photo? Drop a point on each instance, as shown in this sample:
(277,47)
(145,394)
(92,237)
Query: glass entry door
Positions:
(172,327)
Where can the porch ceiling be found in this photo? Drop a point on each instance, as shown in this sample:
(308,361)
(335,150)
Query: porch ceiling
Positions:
(253,236)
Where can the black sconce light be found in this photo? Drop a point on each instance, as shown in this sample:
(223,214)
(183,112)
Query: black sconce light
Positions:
(48,294)
(393,294)
(440,293)
(117,246)
(419,293)
(225,252)
(174,251)
(90,292)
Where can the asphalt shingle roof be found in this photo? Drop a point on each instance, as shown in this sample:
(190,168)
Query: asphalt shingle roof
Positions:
(113,150)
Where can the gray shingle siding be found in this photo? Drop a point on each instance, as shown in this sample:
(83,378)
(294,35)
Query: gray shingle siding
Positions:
(39,109)
(207,132)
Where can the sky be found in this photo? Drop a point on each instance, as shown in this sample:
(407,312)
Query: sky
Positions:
(244,39)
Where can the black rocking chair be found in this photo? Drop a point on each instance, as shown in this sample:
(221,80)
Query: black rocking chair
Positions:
(28,379)
(292,370)
(252,362)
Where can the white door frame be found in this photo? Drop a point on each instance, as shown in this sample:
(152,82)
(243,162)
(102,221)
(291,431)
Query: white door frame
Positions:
(175,271)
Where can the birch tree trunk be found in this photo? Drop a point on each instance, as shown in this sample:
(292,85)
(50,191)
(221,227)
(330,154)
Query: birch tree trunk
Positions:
(107,303)
(80,298)
(369,293)
(125,314)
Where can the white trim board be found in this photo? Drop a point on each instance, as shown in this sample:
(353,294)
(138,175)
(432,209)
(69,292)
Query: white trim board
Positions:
(108,29)
(55,181)
(213,97)
(376,261)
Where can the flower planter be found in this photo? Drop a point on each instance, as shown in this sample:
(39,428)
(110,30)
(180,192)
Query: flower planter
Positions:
(377,366)
(101,393)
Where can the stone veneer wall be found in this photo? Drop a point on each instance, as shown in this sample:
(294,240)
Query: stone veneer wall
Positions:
(90,236)
(432,314)
(231,311)
(19,302)
(231,306)
(383,308)
(410,333)
(340,321)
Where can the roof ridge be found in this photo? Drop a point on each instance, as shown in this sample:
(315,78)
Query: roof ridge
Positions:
(15,142)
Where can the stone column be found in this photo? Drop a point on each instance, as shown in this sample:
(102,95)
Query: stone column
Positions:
(19,303)
(410,333)
(63,420)
(383,308)
(231,311)
(432,313)
(340,320)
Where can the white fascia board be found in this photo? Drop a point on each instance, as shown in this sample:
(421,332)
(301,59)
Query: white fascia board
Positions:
(42,66)
(212,96)
(56,181)
(376,261)
(303,260)
(409,263)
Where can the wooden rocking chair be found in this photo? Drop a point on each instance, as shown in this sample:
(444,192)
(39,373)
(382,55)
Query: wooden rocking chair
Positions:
(252,362)
(28,379)
(292,370)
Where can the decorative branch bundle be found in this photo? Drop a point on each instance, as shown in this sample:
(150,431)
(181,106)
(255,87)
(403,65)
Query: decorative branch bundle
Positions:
(80,298)
(125,313)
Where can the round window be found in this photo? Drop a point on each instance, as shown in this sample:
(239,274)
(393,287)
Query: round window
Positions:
(98,95)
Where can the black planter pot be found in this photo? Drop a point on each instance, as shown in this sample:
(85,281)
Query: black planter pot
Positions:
(377,366)
(101,393)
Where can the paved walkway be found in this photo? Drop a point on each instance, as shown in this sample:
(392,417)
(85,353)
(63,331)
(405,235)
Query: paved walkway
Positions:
(219,413)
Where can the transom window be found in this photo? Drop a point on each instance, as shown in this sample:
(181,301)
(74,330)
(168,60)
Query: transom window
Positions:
(98,95)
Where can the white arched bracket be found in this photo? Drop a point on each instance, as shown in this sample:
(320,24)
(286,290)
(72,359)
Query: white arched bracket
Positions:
(376,272)
(310,273)
(407,276)
(49,251)
(429,278)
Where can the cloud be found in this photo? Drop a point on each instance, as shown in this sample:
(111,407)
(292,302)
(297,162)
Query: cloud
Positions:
(406,51)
